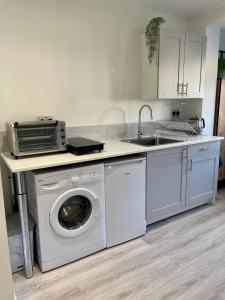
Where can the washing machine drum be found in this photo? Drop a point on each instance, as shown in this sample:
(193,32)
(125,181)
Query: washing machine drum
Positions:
(74,212)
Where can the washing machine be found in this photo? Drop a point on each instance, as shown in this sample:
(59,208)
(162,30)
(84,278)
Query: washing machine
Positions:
(68,206)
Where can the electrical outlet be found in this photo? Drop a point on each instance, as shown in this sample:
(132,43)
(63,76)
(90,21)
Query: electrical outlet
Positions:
(174,113)
(45,118)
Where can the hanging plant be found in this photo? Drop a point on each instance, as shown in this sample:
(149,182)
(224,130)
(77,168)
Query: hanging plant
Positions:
(221,68)
(152,34)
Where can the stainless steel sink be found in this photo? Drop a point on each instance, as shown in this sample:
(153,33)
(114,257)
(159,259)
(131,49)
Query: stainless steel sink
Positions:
(150,141)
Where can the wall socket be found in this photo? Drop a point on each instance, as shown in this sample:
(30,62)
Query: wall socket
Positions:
(45,118)
(175,114)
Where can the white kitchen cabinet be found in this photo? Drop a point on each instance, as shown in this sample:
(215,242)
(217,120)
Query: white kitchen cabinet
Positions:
(179,71)
(202,174)
(171,57)
(166,178)
(194,63)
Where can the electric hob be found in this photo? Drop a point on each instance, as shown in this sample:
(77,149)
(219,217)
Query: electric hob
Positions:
(80,145)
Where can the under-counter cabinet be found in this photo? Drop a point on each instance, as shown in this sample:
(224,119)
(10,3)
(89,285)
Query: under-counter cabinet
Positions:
(179,179)
(178,68)
(166,180)
(202,173)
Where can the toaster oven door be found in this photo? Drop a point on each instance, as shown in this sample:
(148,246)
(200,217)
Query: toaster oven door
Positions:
(36,138)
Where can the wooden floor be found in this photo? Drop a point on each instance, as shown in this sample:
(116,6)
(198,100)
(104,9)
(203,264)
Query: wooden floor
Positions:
(180,258)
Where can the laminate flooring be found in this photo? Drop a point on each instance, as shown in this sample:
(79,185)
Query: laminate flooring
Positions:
(182,257)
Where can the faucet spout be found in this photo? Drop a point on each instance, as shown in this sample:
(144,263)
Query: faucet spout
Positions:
(140,131)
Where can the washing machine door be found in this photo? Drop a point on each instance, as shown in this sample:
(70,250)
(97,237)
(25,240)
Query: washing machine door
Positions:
(74,212)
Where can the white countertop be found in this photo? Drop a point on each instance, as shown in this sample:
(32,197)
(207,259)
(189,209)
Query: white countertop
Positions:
(111,149)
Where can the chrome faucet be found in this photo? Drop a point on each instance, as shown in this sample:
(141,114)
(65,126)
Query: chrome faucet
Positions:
(140,131)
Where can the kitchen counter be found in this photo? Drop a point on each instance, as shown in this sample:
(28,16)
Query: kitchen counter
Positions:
(112,149)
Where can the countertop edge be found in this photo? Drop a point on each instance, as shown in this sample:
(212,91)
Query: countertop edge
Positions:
(68,158)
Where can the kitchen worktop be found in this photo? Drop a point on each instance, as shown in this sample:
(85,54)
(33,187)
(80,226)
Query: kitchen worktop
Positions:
(112,148)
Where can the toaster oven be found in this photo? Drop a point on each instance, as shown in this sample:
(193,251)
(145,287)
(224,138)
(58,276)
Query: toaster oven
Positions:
(30,138)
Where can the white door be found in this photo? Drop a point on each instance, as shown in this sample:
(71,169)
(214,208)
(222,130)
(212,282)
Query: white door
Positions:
(149,74)
(171,58)
(193,65)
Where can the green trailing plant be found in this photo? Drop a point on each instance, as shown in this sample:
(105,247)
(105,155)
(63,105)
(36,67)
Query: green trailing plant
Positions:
(221,68)
(152,34)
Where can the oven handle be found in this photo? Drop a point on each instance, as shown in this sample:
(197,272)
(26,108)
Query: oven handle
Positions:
(35,124)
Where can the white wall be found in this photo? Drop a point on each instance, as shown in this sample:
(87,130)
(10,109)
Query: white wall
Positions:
(209,25)
(199,24)
(77,60)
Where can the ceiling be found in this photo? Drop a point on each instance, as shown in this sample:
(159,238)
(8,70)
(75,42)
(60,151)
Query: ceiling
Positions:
(185,8)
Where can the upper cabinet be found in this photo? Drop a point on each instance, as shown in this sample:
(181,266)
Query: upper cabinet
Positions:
(179,70)
(194,63)
(171,61)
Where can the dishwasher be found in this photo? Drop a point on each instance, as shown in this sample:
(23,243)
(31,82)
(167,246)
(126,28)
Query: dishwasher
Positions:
(125,196)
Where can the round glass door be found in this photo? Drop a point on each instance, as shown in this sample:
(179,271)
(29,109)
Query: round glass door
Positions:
(74,212)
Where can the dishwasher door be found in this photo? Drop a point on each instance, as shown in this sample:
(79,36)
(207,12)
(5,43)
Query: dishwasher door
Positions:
(125,193)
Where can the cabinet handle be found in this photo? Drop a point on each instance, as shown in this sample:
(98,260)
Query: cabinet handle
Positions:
(178,88)
(190,165)
(203,149)
(186,92)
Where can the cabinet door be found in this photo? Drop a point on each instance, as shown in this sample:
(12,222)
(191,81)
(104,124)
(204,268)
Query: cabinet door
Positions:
(149,74)
(166,181)
(202,174)
(194,62)
(171,57)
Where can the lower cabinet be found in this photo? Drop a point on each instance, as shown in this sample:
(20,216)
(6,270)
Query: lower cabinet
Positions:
(202,174)
(166,180)
(180,178)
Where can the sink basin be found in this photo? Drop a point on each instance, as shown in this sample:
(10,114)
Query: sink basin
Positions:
(150,141)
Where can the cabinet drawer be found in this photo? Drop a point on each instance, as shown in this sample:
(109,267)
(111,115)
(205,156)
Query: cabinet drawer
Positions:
(203,148)
(167,151)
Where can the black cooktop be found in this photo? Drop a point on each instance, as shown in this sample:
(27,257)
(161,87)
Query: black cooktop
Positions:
(80,145)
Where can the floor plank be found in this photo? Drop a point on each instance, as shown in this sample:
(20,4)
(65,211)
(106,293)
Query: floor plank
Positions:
(182,258)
